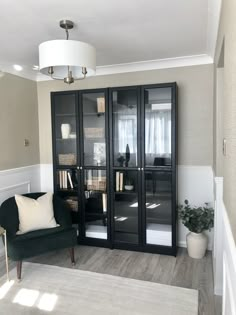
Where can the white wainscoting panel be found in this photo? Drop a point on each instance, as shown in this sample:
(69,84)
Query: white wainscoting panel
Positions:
(229,267)
(195,183)
(18,181)
(46,175)
(217,253)
(20,175)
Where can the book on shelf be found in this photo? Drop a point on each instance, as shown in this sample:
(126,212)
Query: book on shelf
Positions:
(65,180)
(60,179)
(121,181)
(104,202)
(117,181)
(70,181)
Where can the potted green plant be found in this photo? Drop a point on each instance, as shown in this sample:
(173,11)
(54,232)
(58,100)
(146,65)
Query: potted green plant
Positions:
(197,220)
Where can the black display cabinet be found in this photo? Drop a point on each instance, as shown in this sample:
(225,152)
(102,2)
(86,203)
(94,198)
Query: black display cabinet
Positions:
(114,157)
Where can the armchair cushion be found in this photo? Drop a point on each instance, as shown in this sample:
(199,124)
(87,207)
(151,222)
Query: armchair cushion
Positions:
(35,214)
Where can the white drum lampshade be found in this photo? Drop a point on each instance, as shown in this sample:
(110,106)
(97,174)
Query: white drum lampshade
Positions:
(67,60)
(60,54)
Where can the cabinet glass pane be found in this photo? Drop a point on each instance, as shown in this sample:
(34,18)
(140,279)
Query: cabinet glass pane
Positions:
(95,191)
(158,208)
(124,112)
(126,207)
(65,129)
(158,126)
(94,129)
(67,187)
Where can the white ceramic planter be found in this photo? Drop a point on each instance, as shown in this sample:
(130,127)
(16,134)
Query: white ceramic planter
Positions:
(65,131)
(196,244)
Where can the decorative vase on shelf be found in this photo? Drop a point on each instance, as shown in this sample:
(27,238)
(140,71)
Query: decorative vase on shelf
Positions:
(196,244)
(65,131)
(127,156)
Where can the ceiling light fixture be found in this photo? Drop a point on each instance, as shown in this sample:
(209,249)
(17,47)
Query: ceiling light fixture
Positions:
(67,60)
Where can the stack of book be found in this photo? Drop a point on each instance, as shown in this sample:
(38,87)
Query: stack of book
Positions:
(65,181)
(119,181)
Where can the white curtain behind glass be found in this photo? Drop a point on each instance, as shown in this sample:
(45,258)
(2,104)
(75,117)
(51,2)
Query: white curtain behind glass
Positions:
(158,132)
(127,131)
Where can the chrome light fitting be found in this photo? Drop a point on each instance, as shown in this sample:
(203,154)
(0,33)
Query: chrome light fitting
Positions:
(67,60)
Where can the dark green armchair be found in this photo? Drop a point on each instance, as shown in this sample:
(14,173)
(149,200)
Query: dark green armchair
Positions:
(41,241)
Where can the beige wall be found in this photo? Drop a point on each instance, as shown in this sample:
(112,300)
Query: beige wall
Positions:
(227,33)
(18,121)
(195,108)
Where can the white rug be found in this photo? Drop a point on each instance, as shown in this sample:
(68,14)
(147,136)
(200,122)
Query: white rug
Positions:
(53,290)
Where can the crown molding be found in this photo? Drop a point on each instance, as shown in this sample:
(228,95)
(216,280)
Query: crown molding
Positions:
(155,64)
(213,23)
(186,61)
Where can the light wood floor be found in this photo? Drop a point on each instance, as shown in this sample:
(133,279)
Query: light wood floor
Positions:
(181,271)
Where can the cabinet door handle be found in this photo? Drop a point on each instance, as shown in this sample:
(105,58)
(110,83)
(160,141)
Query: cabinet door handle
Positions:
(81,167)
(138,168)
(142,169)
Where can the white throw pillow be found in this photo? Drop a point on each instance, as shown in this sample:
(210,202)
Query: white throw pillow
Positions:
(35,214)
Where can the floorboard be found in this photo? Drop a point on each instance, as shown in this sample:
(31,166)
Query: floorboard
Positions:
(181,271)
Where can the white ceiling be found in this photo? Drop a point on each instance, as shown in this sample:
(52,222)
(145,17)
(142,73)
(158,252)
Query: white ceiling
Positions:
(122,31)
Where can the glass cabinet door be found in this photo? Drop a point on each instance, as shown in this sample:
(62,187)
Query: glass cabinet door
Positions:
(124,117)
(158,108)
(94,162)
(158,204)
(126,207)
(65,129)
(95,196)
(94,128)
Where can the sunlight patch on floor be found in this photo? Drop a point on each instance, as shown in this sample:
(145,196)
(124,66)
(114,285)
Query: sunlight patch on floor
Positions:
(5,288)
(43,301)
(26,297)
(47,302)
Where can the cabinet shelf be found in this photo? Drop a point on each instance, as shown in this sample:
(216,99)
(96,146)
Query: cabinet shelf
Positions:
(93,114)
(65,115)
(97,191)
(125,192)
(65,167)
(67,190)
(93,214)
(67,139)
(97,139)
